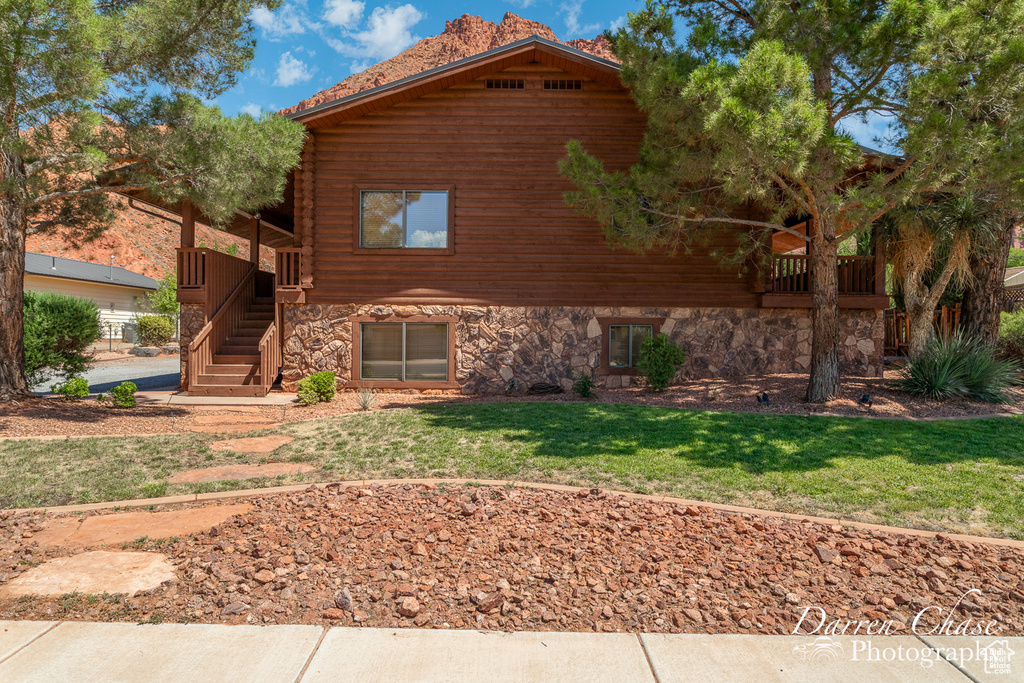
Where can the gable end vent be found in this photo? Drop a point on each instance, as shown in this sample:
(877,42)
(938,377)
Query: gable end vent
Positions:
(506,84)
(562,84)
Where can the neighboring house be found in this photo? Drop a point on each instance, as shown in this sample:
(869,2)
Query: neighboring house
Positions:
(115,291)
(1014,278)
(424,244)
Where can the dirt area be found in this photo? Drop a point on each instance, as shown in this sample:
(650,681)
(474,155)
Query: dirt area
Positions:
(54,416)
(524,559)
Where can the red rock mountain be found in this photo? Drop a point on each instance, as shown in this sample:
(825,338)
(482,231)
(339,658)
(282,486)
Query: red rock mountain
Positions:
(146,245)
(461,38)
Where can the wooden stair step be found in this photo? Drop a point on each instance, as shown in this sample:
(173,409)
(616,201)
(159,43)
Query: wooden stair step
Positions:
(229,380)
(233,368)
(255,332)
(227,358)
(224,390)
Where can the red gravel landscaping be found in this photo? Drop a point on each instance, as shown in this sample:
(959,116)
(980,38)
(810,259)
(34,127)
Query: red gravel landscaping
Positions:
(526,559)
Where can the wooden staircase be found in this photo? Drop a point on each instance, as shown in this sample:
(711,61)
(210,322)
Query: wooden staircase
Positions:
(238,352)
(235,367)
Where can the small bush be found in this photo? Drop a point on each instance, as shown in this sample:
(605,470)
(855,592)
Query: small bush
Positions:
(583,386)
(958,366)
(366,397)
(58,330)
(660,359)
(318,387)
(155,330)
(122,396)
(1011,335)
(75,387)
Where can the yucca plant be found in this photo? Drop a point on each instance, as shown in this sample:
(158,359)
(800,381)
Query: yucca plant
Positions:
(958,366)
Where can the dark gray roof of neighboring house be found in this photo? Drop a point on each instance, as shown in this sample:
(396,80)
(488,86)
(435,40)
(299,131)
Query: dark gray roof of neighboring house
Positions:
(55,266)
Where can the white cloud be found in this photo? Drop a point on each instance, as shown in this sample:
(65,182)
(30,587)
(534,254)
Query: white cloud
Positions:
(387,33)
(252,109)
(618,23)
(875,132)
(343,13)
(286,21)
(522,4)
(291,71)
(570,13)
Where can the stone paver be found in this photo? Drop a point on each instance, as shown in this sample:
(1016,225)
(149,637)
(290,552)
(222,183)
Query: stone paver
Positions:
(84,653)
(15,635)
(769,659)
(985,658)
(231,428)
(228,472)
(257,444)
(230,419)
(93,572)
(385,655)
(128,526)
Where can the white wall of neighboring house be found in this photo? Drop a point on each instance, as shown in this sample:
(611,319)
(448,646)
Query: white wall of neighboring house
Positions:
(117,304)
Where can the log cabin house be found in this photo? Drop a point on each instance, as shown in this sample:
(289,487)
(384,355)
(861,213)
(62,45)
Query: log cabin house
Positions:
(424,244)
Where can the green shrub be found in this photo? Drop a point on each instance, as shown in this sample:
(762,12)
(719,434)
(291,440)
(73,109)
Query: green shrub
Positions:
(122,396)
(317,387)
(58,330)
(155,330)
(583,386)
(959,366)
(366,397)
(660,359)
(1011,335)
(74,387)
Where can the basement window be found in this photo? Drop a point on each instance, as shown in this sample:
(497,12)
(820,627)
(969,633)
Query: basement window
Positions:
(562,84)
(404,352)
(506,84)
(624,344)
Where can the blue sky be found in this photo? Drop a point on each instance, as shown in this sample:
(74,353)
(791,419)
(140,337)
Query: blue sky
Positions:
(306,46)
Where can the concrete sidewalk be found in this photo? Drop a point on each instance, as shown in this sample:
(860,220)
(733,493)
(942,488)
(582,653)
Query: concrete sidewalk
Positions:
(176,397)
(87,652)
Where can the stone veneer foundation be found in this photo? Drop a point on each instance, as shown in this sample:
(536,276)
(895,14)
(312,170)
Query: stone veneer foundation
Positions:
(191,321)
(548,344)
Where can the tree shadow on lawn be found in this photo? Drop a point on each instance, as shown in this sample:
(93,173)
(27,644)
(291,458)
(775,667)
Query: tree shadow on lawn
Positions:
(758,444)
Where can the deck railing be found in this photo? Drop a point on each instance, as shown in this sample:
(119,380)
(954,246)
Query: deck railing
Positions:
(289,262)
(791,274)
(214,272)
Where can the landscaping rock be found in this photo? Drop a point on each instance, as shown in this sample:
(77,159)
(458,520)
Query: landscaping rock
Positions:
(323,556)
(93,572)
(229,472)
(144,351)
(258,444)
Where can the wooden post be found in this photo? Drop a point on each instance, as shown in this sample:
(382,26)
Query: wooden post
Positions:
(254,240)
(188,225)
(879,268)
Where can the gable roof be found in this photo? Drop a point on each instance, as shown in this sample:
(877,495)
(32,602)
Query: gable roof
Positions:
(532,49)
(55,266)
(1014,277)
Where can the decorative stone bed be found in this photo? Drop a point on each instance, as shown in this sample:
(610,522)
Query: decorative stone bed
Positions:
(526,559)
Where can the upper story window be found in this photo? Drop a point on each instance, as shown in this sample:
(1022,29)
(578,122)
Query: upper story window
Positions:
(403,219)
(624,344)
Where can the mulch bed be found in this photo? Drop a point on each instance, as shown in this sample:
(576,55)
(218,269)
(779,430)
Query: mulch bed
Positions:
(524,559)
(53,416)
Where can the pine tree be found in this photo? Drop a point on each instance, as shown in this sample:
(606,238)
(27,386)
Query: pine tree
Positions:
(95,94)
(753,105)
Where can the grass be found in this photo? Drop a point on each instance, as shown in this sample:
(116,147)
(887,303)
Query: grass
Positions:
(958,475)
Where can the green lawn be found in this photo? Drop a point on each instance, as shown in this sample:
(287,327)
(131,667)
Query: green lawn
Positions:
(958,475)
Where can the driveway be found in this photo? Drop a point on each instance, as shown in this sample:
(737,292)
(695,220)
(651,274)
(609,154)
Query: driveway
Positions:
(162,372)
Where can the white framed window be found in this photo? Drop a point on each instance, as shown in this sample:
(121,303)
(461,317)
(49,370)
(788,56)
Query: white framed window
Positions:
(404,219)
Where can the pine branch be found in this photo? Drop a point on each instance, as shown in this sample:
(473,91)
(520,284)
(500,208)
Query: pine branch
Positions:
(724,219)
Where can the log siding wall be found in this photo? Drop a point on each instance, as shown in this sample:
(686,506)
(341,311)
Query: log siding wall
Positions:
(515,241)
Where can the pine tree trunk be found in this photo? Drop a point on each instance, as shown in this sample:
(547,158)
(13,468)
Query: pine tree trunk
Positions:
(824,380)
(12,283)
(983,300)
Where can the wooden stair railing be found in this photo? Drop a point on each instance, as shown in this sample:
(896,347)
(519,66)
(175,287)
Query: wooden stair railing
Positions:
(270,357)
(209,339)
